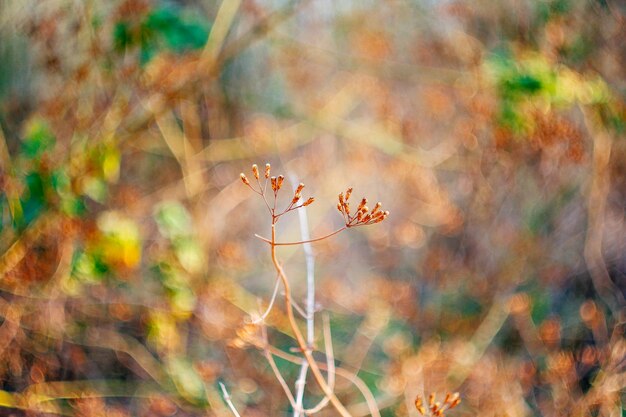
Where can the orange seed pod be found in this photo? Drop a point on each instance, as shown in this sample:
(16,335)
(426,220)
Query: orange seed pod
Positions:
(244,179)
(455,402)
(348,193)
(267,170)
(255,171)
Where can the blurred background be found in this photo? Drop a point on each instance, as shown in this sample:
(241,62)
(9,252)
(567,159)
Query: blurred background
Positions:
(493,131)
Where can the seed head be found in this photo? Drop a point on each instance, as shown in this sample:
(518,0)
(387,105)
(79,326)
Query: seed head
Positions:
(382,217)
(267,170)
(362,215)
(279,182)
(255,171)
(454,400)
(419,405)
(244,179)
(348,193)
(299,189)
(436,408)
(309,201)
(274,186)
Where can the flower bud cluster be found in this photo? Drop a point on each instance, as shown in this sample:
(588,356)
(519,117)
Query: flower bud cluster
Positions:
(362,216)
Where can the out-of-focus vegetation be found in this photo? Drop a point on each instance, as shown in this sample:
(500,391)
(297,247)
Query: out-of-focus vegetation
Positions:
(494,132)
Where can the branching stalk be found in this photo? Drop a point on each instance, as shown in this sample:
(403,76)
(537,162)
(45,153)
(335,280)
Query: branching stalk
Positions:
(302,344)
(301,242)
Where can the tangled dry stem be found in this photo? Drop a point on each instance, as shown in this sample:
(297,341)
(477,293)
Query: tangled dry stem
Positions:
(362,217)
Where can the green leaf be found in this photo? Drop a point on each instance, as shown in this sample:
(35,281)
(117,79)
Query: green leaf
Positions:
(95,188)
(189,254)
(187,381)
(166,28)
(178,31)
(521,83)
(122,37)
(172,219)
(87,267)
(37,139)
(34,200)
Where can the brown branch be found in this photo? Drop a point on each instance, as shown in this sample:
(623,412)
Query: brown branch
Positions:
(308,355)
(344,373)
(301,241)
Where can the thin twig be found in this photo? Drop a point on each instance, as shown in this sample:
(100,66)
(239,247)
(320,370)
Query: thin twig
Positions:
(302,344)
(370,400)
(277,374)
(301,242)
(228,400)
(262,317)
(300,385)
(330,364)
(299,309)
(310,302)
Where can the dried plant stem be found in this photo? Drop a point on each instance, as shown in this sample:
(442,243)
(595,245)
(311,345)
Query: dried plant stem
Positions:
(279,377)
(344,373)
(310,307)
(275,370)
(301,241)
(300,385)
(330,363)
(228,400)
(263,316)
(302,344)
